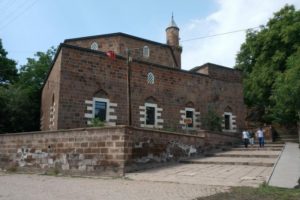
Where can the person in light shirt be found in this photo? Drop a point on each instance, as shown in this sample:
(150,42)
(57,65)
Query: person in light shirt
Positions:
(245,138)
(260,135)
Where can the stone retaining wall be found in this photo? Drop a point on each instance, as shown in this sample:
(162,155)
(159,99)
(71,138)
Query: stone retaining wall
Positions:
(215,139)
(152,147)
(77,151)
(108,151)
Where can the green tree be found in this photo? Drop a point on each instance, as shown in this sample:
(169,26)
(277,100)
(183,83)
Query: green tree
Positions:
(263,59)
(287,92)
(8,70)
(8,75)
(212,121)
(22,98)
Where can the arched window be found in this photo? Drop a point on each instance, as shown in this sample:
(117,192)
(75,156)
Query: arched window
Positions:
(94,46)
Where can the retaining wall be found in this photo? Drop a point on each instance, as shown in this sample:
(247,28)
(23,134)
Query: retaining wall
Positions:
(108,151)
(76,151)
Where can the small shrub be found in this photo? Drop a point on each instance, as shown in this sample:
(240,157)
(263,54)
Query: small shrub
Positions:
(298,186)
(212,121)
(169,129)
(52,172)
(12,169)
(96,122)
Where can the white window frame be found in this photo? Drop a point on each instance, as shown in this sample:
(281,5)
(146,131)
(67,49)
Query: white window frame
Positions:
(230,122)
(155,115)
(194,117)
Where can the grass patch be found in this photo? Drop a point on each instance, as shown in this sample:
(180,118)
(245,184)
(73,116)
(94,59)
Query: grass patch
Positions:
(52,172)
(12,169)
(264,192)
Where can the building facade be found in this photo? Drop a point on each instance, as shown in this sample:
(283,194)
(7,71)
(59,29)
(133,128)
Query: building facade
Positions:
(125,80)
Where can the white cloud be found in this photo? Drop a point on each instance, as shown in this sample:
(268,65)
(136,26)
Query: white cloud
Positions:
(231,15)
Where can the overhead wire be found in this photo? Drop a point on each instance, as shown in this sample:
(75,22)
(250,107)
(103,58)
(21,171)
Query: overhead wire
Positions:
(11,3)
(218,34)
(9,13)
(19,14)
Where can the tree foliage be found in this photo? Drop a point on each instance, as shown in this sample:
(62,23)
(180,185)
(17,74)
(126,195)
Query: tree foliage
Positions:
(20,100)
(286,96)
(8,70)
(212,121)
(264,60)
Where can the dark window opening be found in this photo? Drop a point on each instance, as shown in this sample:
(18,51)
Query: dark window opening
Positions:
(150,115)
(53,100)
(190,114)
(100,110)
(227,122)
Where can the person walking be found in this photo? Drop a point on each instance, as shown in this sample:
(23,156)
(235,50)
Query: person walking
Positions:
(260,135)
(245,138)
(251,137)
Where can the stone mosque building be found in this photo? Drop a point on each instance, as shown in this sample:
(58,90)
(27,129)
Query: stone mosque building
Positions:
(126,80)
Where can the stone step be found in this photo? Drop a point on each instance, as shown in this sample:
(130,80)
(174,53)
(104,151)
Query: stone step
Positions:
(275,145)
(287,136)
(257,149)
(294,140)
(228,163)
(241,155)
(267,162)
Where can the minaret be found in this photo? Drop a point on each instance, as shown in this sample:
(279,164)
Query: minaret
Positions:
(172,33)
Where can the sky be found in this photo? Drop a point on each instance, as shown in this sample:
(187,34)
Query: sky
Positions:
(28,26)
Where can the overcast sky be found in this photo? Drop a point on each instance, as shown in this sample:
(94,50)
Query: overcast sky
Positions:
(28,26)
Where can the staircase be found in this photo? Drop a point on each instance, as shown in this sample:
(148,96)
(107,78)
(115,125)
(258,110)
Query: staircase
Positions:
(287,138)
(239,155)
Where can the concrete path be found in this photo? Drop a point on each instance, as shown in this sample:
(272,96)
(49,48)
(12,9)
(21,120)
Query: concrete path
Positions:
(236,167)
(206,174)
(287,170)
(37,187)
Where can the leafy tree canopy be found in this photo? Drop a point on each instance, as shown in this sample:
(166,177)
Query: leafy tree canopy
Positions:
(267,58)
(8,70)
(287,92)
(20,100)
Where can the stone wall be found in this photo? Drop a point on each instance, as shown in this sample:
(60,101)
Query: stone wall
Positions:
(102,151)
(161,54)
(150,148)
(50,97)
(86,75)
(98,151)
(218,139)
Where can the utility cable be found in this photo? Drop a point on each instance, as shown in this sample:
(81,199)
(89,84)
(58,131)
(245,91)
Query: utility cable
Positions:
(21,13)
(218,34)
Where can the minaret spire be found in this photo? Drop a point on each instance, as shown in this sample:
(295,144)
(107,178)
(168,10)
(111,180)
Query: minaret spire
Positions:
(172,23)
(172,36)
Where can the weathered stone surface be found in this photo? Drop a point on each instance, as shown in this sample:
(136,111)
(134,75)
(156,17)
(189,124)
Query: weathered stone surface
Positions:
(108,151)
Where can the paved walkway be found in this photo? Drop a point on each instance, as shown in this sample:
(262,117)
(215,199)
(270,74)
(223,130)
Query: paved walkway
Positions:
(287,170)
(201,177)
(237,167)
(37,187)
(207,174)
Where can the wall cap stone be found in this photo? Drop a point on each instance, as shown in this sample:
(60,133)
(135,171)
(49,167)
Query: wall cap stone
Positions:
(65,130)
